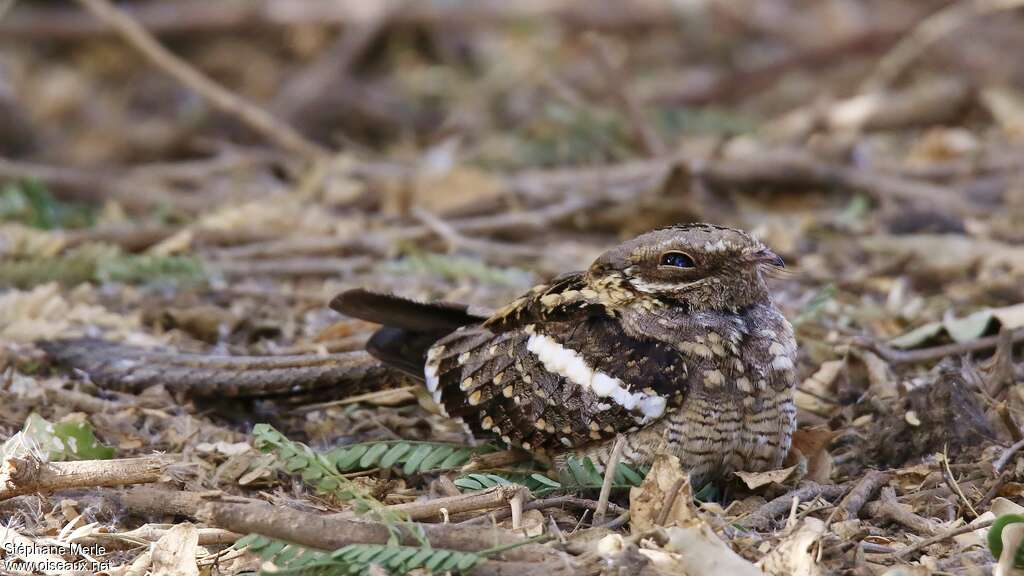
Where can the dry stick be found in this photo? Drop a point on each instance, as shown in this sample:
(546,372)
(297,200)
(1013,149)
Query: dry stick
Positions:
(620,86)
(861,493)
(947,475)
(152,532)
(888,508)
(51,21)
(248,113)
(20,476)
(766,514)
(543,503)
(292,267)
(929,31)
(494,497)
(894,356)
(329,532)
(609,478)
(1004,458)
(670,501)
(940,537)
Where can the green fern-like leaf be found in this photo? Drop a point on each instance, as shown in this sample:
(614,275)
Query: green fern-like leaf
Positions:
(578,475)
(354,559)
(408,456)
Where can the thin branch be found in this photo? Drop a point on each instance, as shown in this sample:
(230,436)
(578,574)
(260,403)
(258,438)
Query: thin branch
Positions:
(223,99)
(20,476)
(609,478)
(896,356)
(943,536)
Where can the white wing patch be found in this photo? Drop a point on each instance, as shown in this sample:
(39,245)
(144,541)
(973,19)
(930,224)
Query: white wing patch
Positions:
(570,365)
(430,369)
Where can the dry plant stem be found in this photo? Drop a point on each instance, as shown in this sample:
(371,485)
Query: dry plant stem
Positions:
(292,267)
(763,517)
(128,367)
(20,476)
(861,494)
(940,537)
(223,99)
(153,532)
(168,502)
(670,502)
(609,478)
(994,489)
(951,481)
(493,460)
(495,497)
(331,532)
(619,85)
(888,508)
(54,22)
(1004,458)
(895,356)
(554,501)
(929,31)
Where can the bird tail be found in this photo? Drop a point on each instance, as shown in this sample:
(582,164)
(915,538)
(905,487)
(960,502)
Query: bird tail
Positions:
(409,329)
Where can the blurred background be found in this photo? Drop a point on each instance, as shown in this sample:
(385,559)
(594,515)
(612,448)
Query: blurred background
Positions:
(297,144)
(207,175)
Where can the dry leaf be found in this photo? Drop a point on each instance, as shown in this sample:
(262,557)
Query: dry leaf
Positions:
(794,555)
(819,384)
(43,313)
(755,480)
(647,501)
(174,554)
(702,553)
(964,329)
(812,444)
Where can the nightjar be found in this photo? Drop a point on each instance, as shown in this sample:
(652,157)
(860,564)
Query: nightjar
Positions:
(671,339)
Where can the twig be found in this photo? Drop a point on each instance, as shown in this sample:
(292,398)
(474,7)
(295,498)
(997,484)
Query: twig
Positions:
(1004,458)
(248,113)
(617,83)
(766,514)
(53,22)
(331,532)
(994,489)
(850,506)
(888,508)
(543,503)
(947,474)
(129,367)
(940,537)
(895,356)
(20,476)
(929,31)
(516,508)
(670,501)
(152,532)
(609,479)
(292,267)
(494,497)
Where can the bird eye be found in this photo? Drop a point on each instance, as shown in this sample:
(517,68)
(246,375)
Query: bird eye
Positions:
(677,260)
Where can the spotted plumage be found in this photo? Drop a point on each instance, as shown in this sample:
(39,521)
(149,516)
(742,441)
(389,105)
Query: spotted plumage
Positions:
(670,339)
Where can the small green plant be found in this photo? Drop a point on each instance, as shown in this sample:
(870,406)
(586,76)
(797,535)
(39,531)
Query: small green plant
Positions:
(30,203)
(995,537)
(407,457)
(70,440)
(102,263)
(577,475)
(356,559)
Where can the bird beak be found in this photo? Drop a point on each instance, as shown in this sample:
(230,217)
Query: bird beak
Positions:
(766,256)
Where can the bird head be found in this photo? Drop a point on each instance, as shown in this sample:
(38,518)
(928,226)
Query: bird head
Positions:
(701,266)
